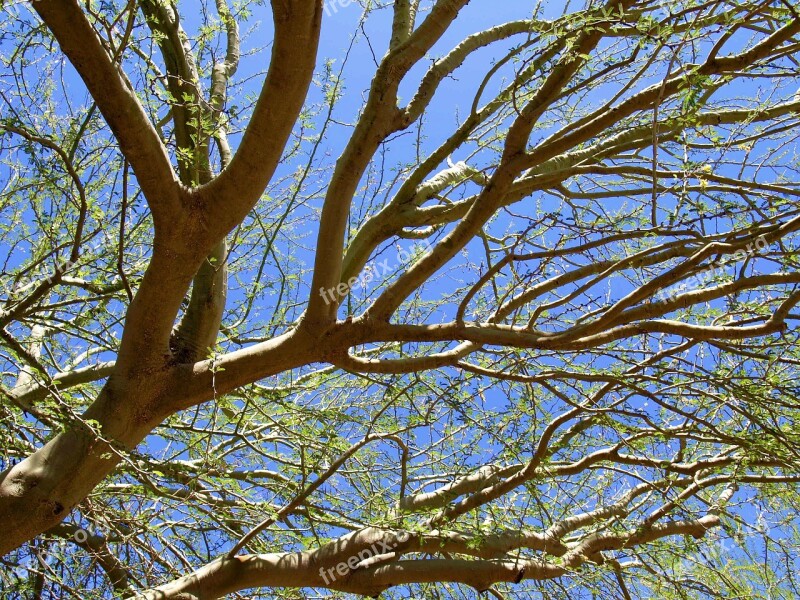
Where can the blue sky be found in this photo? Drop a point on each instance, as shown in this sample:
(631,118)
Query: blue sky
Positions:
(338,28)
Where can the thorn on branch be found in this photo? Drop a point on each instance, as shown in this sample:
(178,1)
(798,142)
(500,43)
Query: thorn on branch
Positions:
(520,575)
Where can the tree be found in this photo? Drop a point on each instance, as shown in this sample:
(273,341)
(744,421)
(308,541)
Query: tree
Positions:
(516,319)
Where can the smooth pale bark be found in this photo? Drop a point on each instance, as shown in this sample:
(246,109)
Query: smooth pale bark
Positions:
(29,393)
(147,383)
(118,103)
(39,492)
(380,118)
(156,374)
(234,192)
(369,562)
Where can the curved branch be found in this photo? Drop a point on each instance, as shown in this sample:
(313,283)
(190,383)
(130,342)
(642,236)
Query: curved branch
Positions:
(230,195)
(119,105)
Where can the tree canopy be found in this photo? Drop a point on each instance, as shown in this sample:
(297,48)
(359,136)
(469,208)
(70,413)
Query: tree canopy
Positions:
(411,298)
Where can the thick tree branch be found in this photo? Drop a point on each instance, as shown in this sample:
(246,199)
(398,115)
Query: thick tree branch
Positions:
(230,195)
(118,103)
